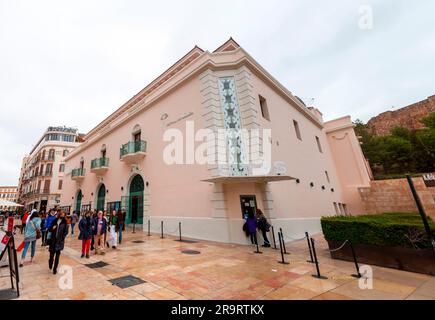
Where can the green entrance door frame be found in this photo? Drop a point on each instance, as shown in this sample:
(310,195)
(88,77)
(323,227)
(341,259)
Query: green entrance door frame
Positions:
(135,201)
(101,197)
(79,201)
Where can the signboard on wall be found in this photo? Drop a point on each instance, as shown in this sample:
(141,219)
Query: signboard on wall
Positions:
(429,180)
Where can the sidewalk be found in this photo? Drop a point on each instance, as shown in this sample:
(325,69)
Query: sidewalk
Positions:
(220,271)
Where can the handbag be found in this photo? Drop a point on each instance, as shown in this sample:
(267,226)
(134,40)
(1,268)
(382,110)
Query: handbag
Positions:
(38,231)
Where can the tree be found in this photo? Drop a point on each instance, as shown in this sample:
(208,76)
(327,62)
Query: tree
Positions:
(429,121)
(424,150)
(401,132)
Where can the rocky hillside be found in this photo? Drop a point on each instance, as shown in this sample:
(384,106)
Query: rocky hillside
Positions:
(408,117)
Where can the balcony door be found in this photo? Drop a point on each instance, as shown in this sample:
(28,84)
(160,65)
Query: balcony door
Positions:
(79,201)
(101,198)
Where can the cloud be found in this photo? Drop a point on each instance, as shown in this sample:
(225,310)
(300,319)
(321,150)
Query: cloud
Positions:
(74,63)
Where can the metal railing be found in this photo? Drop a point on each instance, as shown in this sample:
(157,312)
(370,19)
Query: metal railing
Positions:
(99,163)
(47,157)
(79,172)
(132,147)
(46,174)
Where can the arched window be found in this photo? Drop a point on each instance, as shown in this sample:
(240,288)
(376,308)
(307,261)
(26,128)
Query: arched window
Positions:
(51,154)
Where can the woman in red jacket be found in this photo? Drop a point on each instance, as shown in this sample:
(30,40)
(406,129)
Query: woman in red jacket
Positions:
(23,221)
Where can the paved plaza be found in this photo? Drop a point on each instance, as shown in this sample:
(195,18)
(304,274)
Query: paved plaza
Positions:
(219,271)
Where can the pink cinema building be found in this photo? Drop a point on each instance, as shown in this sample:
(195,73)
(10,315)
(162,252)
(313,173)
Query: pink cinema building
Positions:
(316,167)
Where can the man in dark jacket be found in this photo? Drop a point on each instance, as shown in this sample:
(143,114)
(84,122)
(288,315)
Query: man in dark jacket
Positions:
(59,231)
(264,226)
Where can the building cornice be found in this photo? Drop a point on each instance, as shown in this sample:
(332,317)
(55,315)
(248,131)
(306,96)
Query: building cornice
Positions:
(216,61)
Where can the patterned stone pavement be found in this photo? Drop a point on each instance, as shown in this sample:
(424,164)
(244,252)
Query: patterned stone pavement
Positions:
(220,271)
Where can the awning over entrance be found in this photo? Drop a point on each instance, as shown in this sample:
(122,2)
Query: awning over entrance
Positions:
(248,179)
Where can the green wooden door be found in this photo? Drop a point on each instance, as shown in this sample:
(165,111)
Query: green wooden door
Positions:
(101,198)
(79,201)
(135,201)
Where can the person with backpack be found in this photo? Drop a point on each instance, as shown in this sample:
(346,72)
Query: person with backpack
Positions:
(32,232)
(264,226)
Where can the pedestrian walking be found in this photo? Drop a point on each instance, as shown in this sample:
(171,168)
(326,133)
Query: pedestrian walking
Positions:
(264,226)
(100,231)
(86,233)
(120,224)
(74,220)
(47,224)
(32,232)
(58,231)
(43,229)
(113,227)
(24,220)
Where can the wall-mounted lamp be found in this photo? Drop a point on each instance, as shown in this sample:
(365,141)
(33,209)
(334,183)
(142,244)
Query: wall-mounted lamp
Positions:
(332,190)
(298,181)
(312,184)
(92,194)
(323,188)
(72,198)
(107,191)
(147,184)
(122,188)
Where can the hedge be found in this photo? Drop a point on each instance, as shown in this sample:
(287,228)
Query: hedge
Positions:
(388,229)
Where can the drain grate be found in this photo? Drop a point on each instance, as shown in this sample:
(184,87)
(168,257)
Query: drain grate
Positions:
(8,294)
(127,281)
(186,241)
(190,252)
(96,265)
(138,241)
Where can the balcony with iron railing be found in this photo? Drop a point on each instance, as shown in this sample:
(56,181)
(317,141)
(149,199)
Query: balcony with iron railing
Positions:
(46,174)
(99,166)
(48,157)
(133,151)
(78,174)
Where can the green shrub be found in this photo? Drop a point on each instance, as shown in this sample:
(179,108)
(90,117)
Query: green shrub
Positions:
(389,229)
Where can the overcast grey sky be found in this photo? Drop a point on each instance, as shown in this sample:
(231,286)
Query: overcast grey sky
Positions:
(74,62)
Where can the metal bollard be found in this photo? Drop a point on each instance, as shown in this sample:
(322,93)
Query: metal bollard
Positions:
(179,228)
(283,241)
(280,248)
(318,275)
(149,228)
(161,226)
(358,274)
(309,247)
(256,242)
(273,237)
